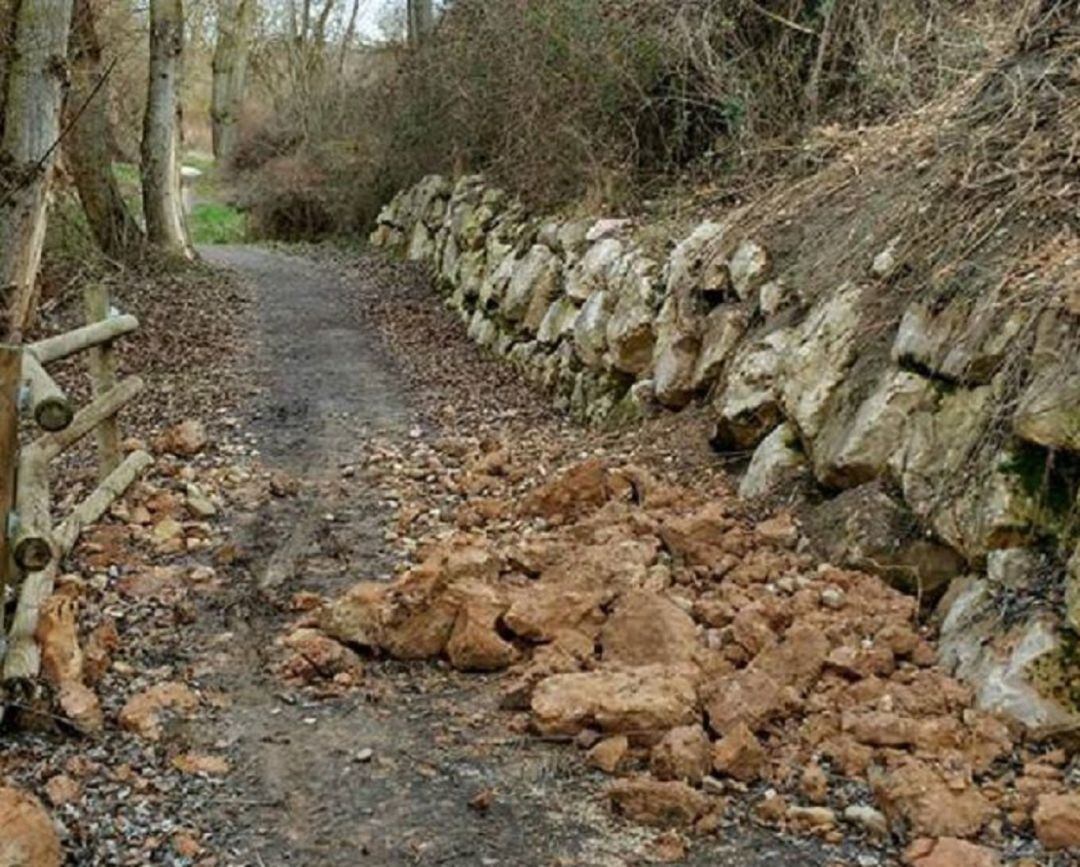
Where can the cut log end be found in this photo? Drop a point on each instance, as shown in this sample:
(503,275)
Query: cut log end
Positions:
(33,553)
(54,414)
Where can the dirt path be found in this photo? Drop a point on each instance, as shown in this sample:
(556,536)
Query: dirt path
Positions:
(384,775)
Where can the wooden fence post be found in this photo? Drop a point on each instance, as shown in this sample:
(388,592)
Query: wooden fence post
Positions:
(103,378)
(10,384)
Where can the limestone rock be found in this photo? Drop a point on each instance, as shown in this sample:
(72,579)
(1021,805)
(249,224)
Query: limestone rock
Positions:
(866,528)
(421,244)
(777,463)
(689,260)
(748,406)
(1049,410)
(551,608)
(724,328)
(682,754)
(748,267)
(27,835)
(631,335)
(673,368)
(816,363)
(852,450)
(664,804)
(1004,663)
(651,699)
(81,707)
(965,342)
(558,321)
(536,282)
(58,638)
(739,754)
(647,628)
(1057,821)
(590,328)
(592,272)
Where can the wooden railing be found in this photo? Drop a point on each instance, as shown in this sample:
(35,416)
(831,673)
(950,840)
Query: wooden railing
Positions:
(32,547)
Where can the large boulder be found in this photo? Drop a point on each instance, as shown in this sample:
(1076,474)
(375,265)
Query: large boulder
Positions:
(696,267)
(558,321)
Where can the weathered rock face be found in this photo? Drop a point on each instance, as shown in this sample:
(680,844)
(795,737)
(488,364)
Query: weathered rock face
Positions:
(960,409)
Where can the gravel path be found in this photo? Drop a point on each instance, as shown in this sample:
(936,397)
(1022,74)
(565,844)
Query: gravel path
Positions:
(387,774)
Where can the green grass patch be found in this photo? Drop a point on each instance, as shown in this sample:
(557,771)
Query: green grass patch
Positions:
(214,223)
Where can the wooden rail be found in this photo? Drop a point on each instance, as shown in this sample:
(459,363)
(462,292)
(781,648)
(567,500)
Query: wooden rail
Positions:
(32,547)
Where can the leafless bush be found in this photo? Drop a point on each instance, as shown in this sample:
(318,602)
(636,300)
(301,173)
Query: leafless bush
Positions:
(608,100)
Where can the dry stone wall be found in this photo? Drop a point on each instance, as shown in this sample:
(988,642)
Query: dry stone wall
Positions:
(943,442)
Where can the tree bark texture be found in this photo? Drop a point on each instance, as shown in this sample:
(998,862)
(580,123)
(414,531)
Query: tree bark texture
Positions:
(87,149)
(162,202)
(35,79)
(420,18)
(229,73)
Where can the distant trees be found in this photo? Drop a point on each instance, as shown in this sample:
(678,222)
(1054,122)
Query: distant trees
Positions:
(35,74)
(162,202)
(88,147)
(420,17)
(234,22)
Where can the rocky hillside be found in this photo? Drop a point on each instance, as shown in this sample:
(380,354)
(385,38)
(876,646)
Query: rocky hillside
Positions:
(893,342)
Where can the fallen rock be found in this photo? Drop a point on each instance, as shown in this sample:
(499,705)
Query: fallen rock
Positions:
(918,796)
(61,790)
(663,804)
(608,754)
(27,835)
(475,644)
(142,713)
(682,754)
(642,702)
(201,763)
(739,754)
(57,635)
(1057,821)
(184,440)
(318,656)
(80,706)
(647,628)
(949,852)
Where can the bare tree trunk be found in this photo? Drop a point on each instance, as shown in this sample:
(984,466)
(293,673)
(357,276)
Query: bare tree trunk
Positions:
(35,78)
(350,34)
(161,131)
(88,148)
(230,72)
(420,17)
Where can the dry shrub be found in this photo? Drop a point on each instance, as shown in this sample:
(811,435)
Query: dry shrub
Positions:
(287,200)
(608,100)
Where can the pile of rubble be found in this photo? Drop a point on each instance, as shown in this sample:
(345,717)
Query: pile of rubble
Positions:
(705,660)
